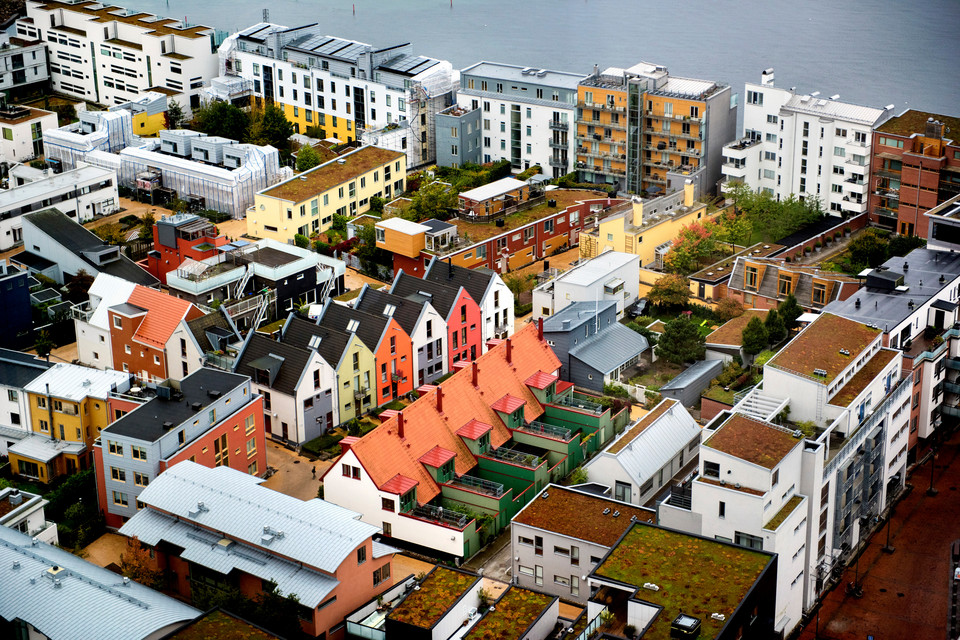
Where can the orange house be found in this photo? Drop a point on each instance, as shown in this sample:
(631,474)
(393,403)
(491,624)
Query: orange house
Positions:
(319,551)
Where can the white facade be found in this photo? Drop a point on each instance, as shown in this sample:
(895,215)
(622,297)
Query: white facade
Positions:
(109,55)
(612,275)
(91,321)
(803,145)
(497,309)
(430,328)
(289,410)
(22,129)
(80,193)
(25,514)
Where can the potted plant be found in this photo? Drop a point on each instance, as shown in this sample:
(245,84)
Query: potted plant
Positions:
(818,245)
(806,250)
(846,231)
(836,235)
(606,617)
(630,631)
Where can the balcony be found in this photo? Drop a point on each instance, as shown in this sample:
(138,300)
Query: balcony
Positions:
(478,485)
(952,363)
(890,194)
(556,144)
(742,145)
(221,361)
(609,108)
(731,170)
(855,179)
(884,212)
(554,162)
(82,311)
(856,163)
(603,125)
(952,411)
(557,125)
(547,430)
(518,458)
(654,179)
(361,393)
(579,403)
(672,116)
(885,173)
(396,377)
(439,515)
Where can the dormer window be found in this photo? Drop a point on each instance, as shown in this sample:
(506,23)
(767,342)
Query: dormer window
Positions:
(484,443)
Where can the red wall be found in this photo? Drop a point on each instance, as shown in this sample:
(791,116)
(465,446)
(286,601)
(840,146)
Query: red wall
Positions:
(141,356)
(413,266)
(170,258)
(473,325)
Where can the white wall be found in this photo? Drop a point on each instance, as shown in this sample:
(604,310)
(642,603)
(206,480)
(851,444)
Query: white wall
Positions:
(93,345)
(449,624)
(505,299)
(175,360)
(438,331)
(20,148)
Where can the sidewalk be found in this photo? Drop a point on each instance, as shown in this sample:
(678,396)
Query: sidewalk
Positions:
(905,594)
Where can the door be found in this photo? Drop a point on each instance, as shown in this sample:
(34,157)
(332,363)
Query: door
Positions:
(283,426)
(622,492)
(938,319)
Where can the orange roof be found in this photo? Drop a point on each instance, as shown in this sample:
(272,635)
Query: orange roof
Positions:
(384,454)
(164,313)
(507,404)
(819,347)
(541,380)
(752,440)
(474,429)
(731,332)
(436,457)
(398,484)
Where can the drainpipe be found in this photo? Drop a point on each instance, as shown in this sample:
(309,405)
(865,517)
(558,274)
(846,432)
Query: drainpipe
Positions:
(50,410)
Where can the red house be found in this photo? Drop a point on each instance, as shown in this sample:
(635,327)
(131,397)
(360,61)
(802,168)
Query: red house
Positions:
(461,313)
(178,237)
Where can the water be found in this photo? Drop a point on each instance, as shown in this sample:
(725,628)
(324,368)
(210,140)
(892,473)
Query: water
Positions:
(871,52)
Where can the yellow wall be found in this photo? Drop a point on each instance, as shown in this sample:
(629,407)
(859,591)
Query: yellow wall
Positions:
(147,125)
(654,106)
(346,373)
(618,136)
(344,130)
(84,426)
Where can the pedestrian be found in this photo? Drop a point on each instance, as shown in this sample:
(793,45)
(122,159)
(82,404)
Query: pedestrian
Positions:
(314,471)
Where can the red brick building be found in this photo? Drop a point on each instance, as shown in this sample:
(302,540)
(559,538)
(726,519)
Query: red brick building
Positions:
(178,237)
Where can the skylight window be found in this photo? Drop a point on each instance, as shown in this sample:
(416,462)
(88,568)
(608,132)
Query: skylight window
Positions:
(352,326)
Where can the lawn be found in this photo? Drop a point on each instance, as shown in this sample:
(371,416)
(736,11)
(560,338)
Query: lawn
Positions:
(658,374)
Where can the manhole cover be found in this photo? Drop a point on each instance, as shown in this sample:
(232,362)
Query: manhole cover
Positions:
(296,462)
(883,590)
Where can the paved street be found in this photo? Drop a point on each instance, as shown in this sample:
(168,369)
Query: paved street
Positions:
(294,475)
(905,594)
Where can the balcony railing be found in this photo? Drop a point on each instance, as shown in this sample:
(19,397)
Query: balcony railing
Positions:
(396,377)
(556,144)
(952,411)
(440,515)
(361,393)
(579,403)
(548,430)
(603,125)
(554,162)
(219,360)
(558,125)
(951,387)
(602,106)
(82,311)
(478,485)
(883,211)
(516,457)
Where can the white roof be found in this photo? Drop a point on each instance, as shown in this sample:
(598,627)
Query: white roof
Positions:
(815,105)
(493,189)
(107,291)
(403,225)
(43,449)
(74,382)
(45,185)
(686,86)
(316,533)
(599,268)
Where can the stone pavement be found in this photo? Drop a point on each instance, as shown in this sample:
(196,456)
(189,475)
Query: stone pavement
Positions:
(293,474)
(905,594)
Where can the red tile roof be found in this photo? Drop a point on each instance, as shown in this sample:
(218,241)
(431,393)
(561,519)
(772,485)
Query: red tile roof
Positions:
(753,440)
(541,380)
(164,313)
(507,404)
(383,454)
(818,347)
(474,429)
(563,385)
(398,484)
(437,457)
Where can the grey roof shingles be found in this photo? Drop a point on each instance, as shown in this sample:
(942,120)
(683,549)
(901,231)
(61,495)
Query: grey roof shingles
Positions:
(297,332)
(442,296)
(370,326)
(406,312)
(295,360)
(475,281)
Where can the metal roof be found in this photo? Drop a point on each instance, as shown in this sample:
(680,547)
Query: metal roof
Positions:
(74,382)
(577,313)
(813,105)
(403,226)
(514,73)
(693,373)
(90,601)
(43,449)
(18,369)
(610,348)
(687,87)
(331,47)
(598,268)
(316,533)
(494,189)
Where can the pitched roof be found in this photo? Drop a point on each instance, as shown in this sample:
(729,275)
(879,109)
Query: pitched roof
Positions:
(610,348)
(474,429)
(475,281)
(164,313)
(730,332)
(578,313)
(76,239)
(406,312)
(437,457)
(216,321)
(295,360)
(507,404)
(441,296)
(541,380)
(369,327)
(108,291)
(818,347)
(384,454)
(754,441)
(398,484)
(580,515)
(18,369)
(92,601)
(298,332)
(640,425)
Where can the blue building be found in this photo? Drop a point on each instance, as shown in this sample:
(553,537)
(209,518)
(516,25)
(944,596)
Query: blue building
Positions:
(15,302)
(458,136)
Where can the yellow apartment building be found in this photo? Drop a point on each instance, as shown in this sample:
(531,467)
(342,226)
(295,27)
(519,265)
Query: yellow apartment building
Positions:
(602,129)
(67,409)
(305,204)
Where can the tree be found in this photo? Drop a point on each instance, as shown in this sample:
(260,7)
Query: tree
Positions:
(869,249)
(44,344)
(776,329)
(694,243)
(376,204)
(754,337)
(222,119)
(78,285)
(432,200)
(789,311)
(728,309)
(146,226)
(307,158)
(173,117)
(681,341)
(733,229)
(270,127)
(515,284)
(111,233)
(671,290)
(136,565)
(301,241)
(902,245)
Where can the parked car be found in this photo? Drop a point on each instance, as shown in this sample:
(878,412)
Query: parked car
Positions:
(639,308)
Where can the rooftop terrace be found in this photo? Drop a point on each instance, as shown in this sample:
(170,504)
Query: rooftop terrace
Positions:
(433,597)
(335,172)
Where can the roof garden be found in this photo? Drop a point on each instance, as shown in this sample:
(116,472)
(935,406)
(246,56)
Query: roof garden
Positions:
(731,332)
(318,180)
(827,345)
(912,121)
(782,515)
(723,268)
(760,443)
(695,576)
(515,612)
(870,370)
(432,598)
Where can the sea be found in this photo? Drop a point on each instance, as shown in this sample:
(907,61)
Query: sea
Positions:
(870,52)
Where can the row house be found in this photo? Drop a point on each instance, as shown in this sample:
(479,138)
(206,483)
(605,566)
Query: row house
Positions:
(17,370)
(487,289)
(490,437)
(178,237)
(763,283)
(613,276)
(211,417)
(460,313)
(222,529)
(711,283)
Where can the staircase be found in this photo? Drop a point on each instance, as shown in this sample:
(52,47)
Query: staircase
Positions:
(242,283)
(325,271)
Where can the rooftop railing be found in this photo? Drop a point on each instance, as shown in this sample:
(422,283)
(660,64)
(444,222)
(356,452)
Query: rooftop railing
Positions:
(516,457)
(440,515)
(579,403)
(478,485)
(548,430)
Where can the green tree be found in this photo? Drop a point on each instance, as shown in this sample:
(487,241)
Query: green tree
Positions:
(728,309)
(222,119)
(146,226)
(754,337)
(301,241)
(902,245)
(110,233)
(670,291)
(681,341)
(515,284)
(733,229)
(173,117)
(776,329)
(376,204)
(339,223)
(44,344)
(433,200)
(307,158)
(789,311)
(270,127)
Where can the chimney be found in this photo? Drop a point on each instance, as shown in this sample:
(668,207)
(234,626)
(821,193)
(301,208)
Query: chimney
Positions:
(400,425)
(509,351)
(688,196)
(439,399)
(637,204)
(476,371)
(540,328)
(449,268)
(596,71)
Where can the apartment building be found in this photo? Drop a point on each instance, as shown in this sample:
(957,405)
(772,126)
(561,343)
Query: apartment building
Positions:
(601,131)
(306,203)
(16,371)
(803,145)
(23,62)
(22,129)
(526,113)
(178,237)
(15,300)
(220,527)
(67,409)
(211,417)
(487,289)
(23,512)
(613,276)
(459,136)
(913,168)
(109,55)
(345,89)
(91,321)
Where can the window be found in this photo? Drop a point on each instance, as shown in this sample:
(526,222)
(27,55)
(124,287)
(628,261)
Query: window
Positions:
(711,469)
(772,119)
(120,475)
(749,541)
(115,448)
(771,137)
(361,555)
(538,575)
(819,294)
(750,277)
(249,425)
(387,504)
(890,142)
(840,152)
(722,510)
(120,499)
(527,571)
(117,322)
(138,453)
(755,97)
(251,447)
(784,284)
(140,479)
(538,545)
(381,574)
(221,454)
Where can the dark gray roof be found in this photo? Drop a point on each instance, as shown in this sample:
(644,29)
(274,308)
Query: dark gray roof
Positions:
(146,421)
(33,261)
(769,287)
(442,296)
(76,239)
(703,370)
(577,313)
(17,369)
(298,332)
(369,326)
(607,350)
(294,360)
(407,312)
(945,305)
(475,281)
(438,225)
(128,309)
(199,327)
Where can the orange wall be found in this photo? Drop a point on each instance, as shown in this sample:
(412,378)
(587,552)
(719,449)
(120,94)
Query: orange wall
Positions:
(404,363)
(402,243)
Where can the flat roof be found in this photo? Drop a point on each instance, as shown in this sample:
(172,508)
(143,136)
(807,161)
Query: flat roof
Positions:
(563,197)
(730,333)
(438,592)
(912,121)
(154,25)
(818,347)
(598,268)
(754,441)
(688,87)
(724,268)
(514,73)
(402,225)
(330,174)
(75,382)
(494,189)
(867,373)
(512,615)
(818,106)
(30,114)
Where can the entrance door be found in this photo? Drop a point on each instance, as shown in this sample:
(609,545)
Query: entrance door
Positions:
(938,319)
(283,426)
(622,492)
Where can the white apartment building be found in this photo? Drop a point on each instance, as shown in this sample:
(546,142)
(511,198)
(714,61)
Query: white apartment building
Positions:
(80,193)
(805,145)
(528,115)
(613,275)
(348,90)
(109,55)
(22,132)
(16,371)
(91,322)
(22,62)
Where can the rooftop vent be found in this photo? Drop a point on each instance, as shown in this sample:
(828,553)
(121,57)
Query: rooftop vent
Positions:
(197,510)
(651,586)
(167,425)
(857,303)
(213,393)
(196,406)
(15,498)
(616,514)
(685,627)
(844,352)
(225,543)
(820,372)
(718,616)
(797,433)
(606,511)
(341,161)
(545,495)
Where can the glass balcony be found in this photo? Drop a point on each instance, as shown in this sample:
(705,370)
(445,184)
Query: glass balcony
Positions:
(478,485)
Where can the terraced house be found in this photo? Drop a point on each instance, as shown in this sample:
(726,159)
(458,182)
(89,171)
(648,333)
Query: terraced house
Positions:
(451,469)
(762,283)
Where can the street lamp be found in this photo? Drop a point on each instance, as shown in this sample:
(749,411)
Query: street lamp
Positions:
(887,548)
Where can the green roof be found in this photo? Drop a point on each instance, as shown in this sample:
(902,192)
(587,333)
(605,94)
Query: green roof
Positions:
(439,591)
(787,509)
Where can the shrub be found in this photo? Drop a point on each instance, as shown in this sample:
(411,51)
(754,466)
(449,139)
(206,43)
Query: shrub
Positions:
(728,309)
(317,445)
(522,309)
(615,390)
(818,244)
(807,249)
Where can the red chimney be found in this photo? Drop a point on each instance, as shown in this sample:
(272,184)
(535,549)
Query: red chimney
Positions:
(509,351)
(400,425)
(540,328)
(475,372)
(439,399)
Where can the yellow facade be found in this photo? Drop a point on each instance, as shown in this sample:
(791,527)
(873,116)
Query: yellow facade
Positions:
(356,376)
(306,203)
(148,126)
(676,125)
(301,118)
(602,130)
